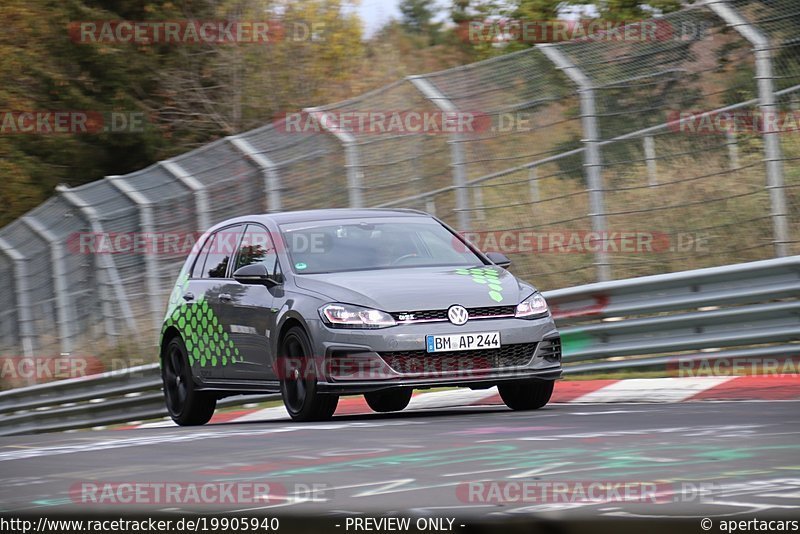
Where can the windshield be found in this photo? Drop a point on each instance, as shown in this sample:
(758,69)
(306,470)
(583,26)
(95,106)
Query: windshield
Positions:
(367,244)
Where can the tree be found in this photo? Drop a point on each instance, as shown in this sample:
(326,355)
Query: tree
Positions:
(417,19)
(190,94)
(214,90)
(45,70)
(630,10)
(521,11)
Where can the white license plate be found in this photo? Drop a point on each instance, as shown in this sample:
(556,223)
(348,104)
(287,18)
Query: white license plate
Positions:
(451,342)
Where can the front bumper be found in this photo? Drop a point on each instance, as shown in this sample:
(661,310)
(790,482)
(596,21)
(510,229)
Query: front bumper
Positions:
(359,361)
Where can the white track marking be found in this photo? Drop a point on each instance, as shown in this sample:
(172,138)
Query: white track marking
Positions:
(653,389)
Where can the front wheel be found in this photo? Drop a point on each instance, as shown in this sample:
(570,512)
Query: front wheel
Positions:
(526,394)
(299,381)
(392,400)
(186,405)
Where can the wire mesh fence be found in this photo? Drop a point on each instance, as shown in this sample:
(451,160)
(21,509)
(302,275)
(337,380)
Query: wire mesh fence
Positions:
(606,157)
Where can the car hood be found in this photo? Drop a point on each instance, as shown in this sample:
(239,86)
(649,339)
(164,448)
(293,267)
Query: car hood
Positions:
(422,288)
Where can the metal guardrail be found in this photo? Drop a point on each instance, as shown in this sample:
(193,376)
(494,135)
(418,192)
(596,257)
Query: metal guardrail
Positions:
(132,394)
(749,310)
(735,311)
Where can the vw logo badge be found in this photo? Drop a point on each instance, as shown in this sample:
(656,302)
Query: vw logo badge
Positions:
(458,315)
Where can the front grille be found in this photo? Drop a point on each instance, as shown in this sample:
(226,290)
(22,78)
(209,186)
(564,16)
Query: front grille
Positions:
(491,311)
(419,361)
(550,349)
(424,315)
(484,312)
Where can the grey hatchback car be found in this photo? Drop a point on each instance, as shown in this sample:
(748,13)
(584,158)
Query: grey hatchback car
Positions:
(318,304)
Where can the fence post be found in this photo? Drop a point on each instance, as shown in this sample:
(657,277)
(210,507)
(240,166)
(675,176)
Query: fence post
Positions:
(24,315)
(60,286)
(733,150)
(768,107)
(477,199)
(456,142)
(150,265)
(202,204)
(533,183)
(352,159)
(592,159)
(650,159)
(430,206)
(269,171)
(104,266)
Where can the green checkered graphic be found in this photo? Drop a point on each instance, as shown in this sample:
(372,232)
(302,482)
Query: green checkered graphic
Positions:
(207,343)
(487,276)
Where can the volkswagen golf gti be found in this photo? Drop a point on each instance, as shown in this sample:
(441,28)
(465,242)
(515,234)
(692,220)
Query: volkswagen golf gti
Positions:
(323,303)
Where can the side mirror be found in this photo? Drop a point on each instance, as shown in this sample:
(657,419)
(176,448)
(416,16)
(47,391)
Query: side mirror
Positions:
(499,259)
(255,273)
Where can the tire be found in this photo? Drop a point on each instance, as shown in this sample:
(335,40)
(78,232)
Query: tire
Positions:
(299,381)
(526,394)
(186,405)
(390,400)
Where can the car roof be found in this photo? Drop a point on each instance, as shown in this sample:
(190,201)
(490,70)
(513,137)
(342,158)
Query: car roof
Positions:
(285,217)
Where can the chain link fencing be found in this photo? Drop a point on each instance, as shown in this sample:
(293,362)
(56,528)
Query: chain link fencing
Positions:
(602,158)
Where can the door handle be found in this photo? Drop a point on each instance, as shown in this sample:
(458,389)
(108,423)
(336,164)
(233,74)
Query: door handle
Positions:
(188,296)
(225,297)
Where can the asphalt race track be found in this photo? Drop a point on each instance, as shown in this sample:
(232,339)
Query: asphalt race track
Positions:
(705,458)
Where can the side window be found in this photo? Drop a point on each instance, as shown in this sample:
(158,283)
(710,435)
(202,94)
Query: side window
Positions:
(197,270)
(257,247)
(221,250)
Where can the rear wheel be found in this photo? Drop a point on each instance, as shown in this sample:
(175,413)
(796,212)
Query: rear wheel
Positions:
(390,400)
(299,381)
(186,405)
(526,394)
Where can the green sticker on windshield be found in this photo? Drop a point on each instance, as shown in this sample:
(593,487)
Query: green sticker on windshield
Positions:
(300,266)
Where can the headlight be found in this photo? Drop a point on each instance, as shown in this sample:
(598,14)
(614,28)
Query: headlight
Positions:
(533,306)
(349,316)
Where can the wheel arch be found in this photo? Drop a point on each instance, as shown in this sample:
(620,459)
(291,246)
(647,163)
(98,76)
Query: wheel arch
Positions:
(170,333)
